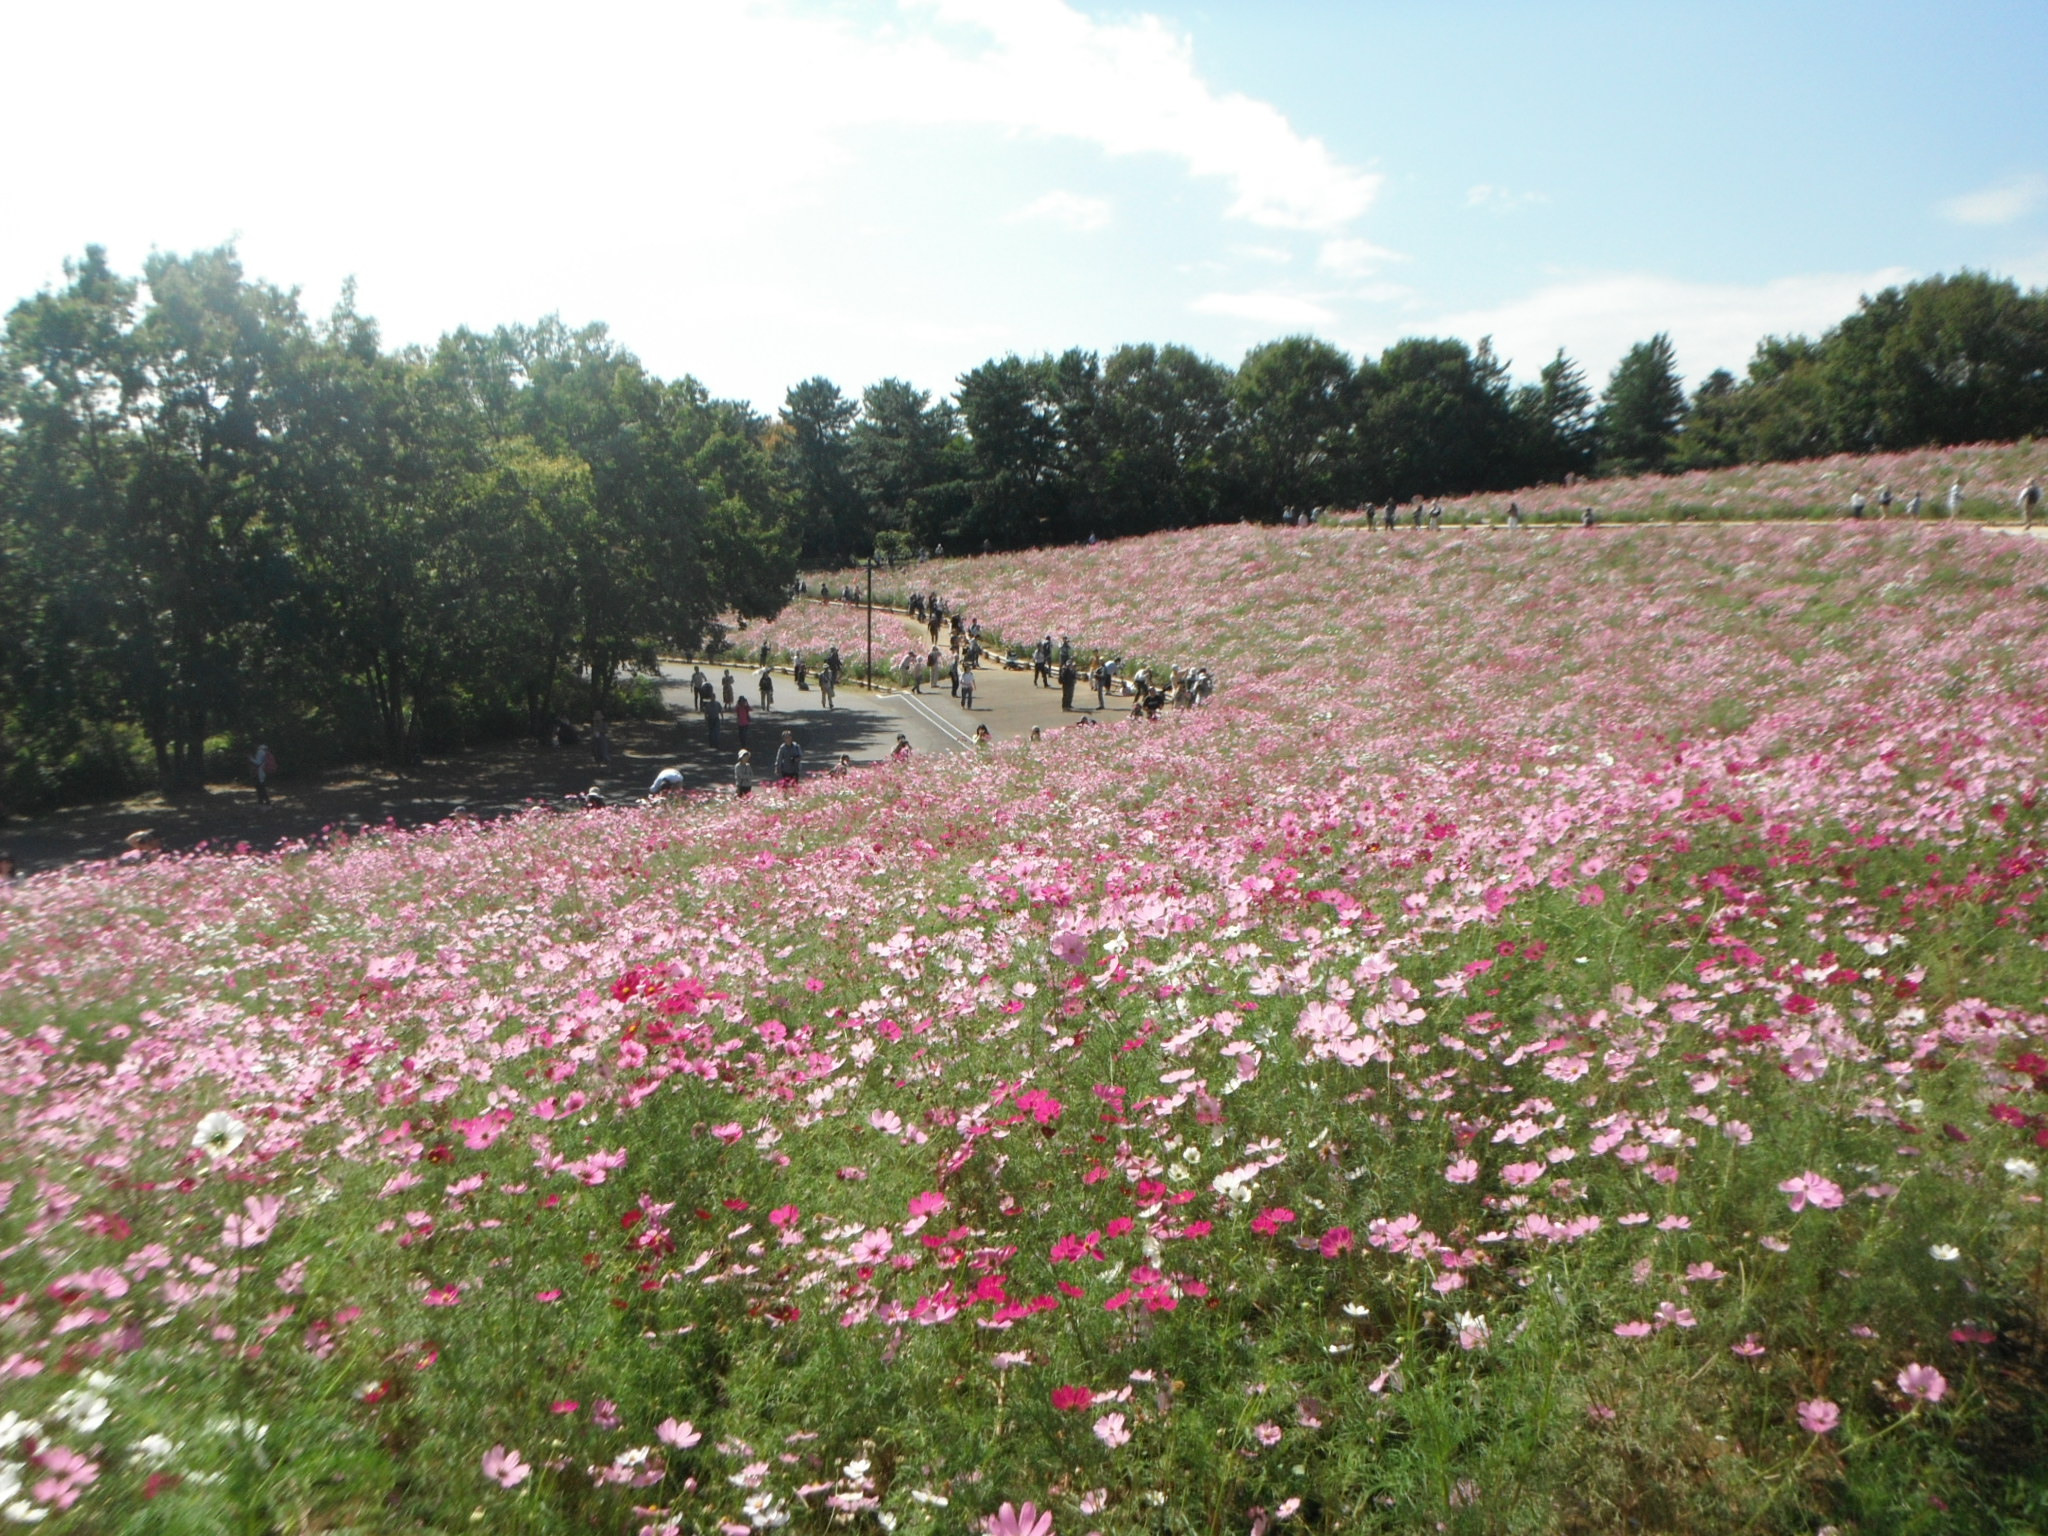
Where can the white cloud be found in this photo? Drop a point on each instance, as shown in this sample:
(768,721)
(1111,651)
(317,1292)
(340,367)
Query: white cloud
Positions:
(1128,87)
(1500,198)
(1712,325)
(1265,307)
(2012,199)
(1354,258)
(1068,208)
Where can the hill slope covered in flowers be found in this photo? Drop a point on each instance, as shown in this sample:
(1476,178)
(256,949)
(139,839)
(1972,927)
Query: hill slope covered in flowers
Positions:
(1560,1045)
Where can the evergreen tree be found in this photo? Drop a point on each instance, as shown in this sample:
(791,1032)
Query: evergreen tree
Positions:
(1642,409)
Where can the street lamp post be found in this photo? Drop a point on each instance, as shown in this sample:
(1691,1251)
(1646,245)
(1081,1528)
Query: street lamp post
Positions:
(871,621)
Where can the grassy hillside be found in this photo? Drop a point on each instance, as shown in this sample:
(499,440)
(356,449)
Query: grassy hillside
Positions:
(1559,1046)
(1990,475)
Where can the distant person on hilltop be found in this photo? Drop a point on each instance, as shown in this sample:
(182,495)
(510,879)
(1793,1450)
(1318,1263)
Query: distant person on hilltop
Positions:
(1913,507)
(1955,498)
(1856,505)
(2030,498)
(1884,502)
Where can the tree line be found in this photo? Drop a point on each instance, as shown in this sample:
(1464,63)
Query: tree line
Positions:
(1057,449)
(221,518)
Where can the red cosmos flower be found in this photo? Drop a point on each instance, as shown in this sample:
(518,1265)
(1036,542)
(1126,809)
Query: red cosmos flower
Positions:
(1067,1399)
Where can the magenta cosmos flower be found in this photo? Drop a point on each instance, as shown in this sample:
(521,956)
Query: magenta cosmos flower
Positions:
(1819,1417)
(504,1467)
(1923,1383)
(1810,1188)
(1028,1521)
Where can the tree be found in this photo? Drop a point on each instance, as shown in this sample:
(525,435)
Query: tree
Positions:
(1642,409)
(1165,437)
(1436,420)
(1945,360)
(1009,410)
(1293,445)
(907,460)
(1554,423)
(814,456)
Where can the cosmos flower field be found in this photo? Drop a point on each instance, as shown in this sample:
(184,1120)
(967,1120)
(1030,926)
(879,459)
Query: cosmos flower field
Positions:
(1558,1045)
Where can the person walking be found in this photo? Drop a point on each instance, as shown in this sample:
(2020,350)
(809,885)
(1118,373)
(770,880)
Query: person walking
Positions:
(264,761)
(1068,677)
(600,738)
(828,684)
(789,761)
(2030,498)
(1913,507)
(763,662)
(967,688)
(712,715)
(725,687)
(743,774)
(767,685)
(742,717)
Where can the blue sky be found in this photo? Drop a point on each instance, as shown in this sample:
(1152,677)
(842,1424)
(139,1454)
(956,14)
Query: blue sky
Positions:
(755,193)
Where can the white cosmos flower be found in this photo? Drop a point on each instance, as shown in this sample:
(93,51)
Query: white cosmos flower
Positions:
(14,1429)
(1948,1253)
(219,1134)
(2022,1169)
(84,1411)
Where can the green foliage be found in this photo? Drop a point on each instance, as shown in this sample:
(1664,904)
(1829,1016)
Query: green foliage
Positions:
(217,516)
(1642,409)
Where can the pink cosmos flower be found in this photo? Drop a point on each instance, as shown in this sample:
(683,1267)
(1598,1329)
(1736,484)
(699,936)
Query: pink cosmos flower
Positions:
(442,1296)
(784,1216)
(1070,948)
(254,1226)
(1671,1315)
(1268,1434)
(1110,1430)
(1819,1417)
(1463,1171)
(1011,1521)
(1635,1330)
(1335,1241)
(680,1433)
(1923,1383)
(1751,1347)
(504,1467)
(1065,1398)
(1519,1175)
(1810,1188)
(930,1203)
(70,1473)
